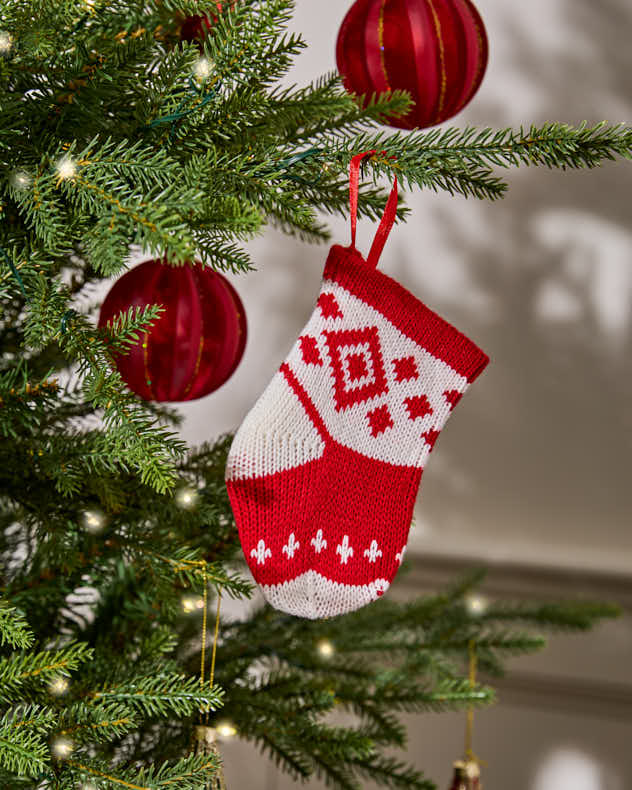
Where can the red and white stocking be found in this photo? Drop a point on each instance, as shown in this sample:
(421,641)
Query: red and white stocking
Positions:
(324,471)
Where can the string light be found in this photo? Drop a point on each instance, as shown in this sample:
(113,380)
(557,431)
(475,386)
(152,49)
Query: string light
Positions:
(226,729)
(6,42)
(476,604)
(187,498)
(191,603)
(58,686)
(202,69)
(66,168)
(326,648)
(20,180)
(62,747)
(94,521)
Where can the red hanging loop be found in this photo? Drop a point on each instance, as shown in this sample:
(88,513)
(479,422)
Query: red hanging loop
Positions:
(388,218)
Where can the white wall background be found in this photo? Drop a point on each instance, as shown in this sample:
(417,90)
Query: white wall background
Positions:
(535,464)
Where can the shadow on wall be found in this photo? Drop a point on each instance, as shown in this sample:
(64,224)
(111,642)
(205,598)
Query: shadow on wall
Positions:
(546,289)
(543,281)
(568,60)
(540,448)
(538,451)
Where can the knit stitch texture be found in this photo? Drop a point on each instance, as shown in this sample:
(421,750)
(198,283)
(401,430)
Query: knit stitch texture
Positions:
(324,471)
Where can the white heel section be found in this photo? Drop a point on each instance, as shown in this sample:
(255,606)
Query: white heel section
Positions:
(276,435)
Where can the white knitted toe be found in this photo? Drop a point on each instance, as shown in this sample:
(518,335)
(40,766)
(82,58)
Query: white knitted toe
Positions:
(312,595)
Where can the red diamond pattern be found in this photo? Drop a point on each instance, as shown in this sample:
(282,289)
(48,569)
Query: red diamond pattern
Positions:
(348,340)
(453,397)
(430,437)
(356,367)
(379,420)
(405,369)
(309,350)
(329,306)
(418,406)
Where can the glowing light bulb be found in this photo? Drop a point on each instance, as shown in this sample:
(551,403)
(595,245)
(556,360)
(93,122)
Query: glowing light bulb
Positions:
(202,69)
(191,603)
(476,604)
(187,498)
(6,42)
(58,686)
(226,729)
(325,648)
(20,180)
(94,521)
(62,747)
(66,168)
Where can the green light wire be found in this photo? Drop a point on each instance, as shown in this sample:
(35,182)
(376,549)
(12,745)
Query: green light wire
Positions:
(14,271)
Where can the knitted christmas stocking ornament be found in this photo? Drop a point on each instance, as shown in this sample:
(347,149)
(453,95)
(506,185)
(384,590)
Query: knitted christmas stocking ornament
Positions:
(324,471)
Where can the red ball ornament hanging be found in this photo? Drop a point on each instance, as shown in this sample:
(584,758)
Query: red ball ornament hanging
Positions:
(466,776)
(434,49)
(195,344)
(195,28)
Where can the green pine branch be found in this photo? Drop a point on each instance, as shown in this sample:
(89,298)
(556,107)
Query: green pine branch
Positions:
(14,630)
(115,140)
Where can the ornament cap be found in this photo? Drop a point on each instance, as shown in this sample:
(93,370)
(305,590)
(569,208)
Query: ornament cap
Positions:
(205,734)
(466,776)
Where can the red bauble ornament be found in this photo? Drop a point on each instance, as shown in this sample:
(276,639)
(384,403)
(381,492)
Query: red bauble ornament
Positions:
(197,342)
(466,776)
(196,28)
(434,49)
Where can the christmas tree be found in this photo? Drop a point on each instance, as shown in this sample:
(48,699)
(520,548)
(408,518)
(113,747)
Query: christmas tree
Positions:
(118,542)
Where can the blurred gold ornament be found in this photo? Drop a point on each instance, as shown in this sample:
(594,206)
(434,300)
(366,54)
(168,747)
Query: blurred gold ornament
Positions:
(205,742)
(467,771)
